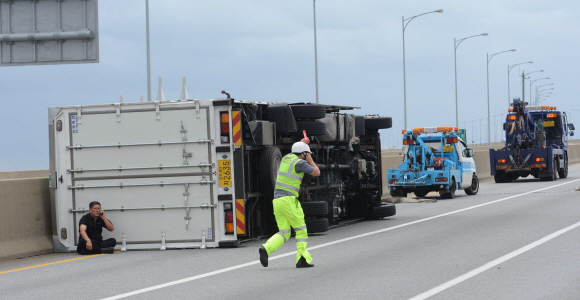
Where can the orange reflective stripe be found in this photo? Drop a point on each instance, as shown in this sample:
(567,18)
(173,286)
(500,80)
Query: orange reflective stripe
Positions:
(240,216)
(237,127)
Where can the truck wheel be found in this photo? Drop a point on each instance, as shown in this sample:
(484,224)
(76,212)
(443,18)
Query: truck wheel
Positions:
(308,111)
(312,128)
(497,177)
(554,171)
(315,208)
(270,159)
(316,225)
(421,193)
(378,123)
(474,188)
(383,211)
(563,172)
(449,194)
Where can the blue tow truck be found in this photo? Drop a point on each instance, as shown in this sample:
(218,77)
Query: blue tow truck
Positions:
(536,144)
(436,160)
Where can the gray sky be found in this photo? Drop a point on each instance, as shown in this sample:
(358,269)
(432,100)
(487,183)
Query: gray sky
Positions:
(264,51)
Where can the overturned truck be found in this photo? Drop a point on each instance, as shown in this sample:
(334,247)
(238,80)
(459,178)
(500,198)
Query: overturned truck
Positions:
(201,173)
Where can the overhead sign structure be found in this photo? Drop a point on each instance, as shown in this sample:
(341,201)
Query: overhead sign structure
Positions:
(48,32)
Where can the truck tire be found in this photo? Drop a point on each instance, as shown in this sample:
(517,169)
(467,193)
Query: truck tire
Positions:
(450,194)
(315,208)
(378,123)
(308,111)
(474,188)
(270,159)
(316,225)
(563,172)
(421,193)
(312,128)
(554,175)
(383,211)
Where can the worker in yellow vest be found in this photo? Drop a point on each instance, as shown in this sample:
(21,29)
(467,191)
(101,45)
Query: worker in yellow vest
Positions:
(287,208)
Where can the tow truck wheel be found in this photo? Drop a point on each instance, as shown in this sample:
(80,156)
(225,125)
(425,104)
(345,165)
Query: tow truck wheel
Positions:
(563,172)
(474,188)
(421,193)
(449,194)
(554,175)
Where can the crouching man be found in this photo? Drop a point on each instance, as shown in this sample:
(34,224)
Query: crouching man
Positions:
(90,228)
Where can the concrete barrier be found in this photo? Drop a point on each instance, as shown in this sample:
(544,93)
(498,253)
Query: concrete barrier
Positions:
(25,217)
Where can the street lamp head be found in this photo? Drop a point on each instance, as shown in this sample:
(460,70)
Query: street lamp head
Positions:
(513,50)
(438,11)
(484,34)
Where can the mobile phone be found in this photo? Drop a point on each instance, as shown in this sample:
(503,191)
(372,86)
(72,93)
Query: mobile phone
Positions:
(101,213)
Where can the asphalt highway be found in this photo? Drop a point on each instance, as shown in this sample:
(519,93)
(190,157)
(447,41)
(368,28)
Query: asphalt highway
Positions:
(518,240)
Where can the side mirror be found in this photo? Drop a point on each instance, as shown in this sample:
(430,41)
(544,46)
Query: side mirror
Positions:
(504,126)
(468,152)
(571,126)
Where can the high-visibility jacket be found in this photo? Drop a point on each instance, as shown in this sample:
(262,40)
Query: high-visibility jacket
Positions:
(288,179)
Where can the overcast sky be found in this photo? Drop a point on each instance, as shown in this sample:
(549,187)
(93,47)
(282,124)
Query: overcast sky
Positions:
(264,51)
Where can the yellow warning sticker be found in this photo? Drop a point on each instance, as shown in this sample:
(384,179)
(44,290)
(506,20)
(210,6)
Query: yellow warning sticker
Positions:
(225,172)
(447,149)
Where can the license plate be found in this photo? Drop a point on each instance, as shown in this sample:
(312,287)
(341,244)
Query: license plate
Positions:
(448,148)
(225,172)
(548,123)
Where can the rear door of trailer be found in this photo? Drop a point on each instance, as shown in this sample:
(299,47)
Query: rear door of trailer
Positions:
(153,168)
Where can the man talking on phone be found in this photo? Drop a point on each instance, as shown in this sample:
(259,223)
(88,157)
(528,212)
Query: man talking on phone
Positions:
(91,227)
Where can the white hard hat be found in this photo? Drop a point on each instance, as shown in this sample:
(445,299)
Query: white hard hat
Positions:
(300,147)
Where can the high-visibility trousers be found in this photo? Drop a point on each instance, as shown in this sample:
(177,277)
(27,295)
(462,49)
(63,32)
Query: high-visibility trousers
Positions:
(288,212)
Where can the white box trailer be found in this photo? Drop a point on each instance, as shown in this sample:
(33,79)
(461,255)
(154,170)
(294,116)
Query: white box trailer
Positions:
(151,165)
(200,173)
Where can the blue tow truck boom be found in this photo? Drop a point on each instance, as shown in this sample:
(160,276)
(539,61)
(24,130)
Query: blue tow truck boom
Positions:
(436,160)
(536,144)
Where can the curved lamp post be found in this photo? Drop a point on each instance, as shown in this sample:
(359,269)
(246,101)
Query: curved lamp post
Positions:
(532,82)
(510,67)
(405,23)
(489,57)
(456,44)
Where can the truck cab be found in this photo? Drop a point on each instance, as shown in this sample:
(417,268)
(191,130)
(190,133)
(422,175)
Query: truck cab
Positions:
(436,160)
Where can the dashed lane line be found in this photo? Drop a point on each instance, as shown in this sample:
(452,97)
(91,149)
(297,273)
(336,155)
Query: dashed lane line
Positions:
(188,279)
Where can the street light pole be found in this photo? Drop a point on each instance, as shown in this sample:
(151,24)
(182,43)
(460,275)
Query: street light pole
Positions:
(532,82)
(406,22)
(455,46)
(489,57)
(315,50)
(509,70)
(148,51)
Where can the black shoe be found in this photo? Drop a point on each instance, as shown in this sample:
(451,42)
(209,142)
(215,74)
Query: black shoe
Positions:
(109,250)
(263,256)
(303,264)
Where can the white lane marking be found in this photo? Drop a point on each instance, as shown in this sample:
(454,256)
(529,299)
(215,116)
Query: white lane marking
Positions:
(156,287)
(491,264)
